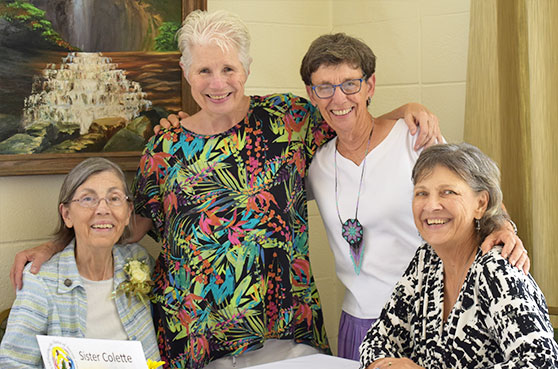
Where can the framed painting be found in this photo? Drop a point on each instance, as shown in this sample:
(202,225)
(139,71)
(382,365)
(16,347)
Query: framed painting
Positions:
(86,78)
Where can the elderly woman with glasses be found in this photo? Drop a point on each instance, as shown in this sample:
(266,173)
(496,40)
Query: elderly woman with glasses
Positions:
(76,292)
(360,180)
(455,307)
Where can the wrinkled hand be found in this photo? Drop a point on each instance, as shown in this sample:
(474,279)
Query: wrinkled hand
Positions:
(37,255)
(513,248)
(418,115)
(172,120)
(393,363)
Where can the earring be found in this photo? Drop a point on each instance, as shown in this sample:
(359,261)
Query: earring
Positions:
(368,101)
(477,224)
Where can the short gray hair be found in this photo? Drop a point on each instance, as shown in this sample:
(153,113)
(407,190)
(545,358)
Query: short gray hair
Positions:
(77,176)
(336,49)
(479,171)
(223,28)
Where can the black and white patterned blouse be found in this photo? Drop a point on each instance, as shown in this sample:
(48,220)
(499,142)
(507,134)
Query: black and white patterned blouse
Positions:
(500,318)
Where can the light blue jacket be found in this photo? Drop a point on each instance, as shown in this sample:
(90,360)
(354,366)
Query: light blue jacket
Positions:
(53,302)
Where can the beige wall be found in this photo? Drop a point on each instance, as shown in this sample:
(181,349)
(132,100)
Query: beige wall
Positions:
(421,47)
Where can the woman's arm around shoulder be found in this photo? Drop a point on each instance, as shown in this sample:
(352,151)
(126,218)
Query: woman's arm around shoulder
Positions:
(36,256)
(513,249)
(418,116)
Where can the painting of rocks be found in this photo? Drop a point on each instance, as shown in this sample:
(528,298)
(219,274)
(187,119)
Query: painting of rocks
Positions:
(86,75)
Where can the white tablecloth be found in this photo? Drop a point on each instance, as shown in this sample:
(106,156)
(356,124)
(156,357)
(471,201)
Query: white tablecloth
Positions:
(318,361)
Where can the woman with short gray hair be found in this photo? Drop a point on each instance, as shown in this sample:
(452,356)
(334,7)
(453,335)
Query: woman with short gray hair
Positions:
(455,307)
(479,171)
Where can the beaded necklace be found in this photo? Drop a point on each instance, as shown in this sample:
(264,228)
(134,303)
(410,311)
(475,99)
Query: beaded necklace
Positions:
(351,229)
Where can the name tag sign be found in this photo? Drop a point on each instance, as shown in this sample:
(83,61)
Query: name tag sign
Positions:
(87,353)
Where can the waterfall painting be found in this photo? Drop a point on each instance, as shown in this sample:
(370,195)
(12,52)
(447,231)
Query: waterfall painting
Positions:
(83,78)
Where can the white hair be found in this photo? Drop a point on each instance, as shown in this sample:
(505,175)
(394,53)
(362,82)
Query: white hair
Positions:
(222,28)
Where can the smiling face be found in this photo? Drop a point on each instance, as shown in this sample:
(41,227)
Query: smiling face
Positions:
(444,208)
(102,226)
(342,112)
(217,79)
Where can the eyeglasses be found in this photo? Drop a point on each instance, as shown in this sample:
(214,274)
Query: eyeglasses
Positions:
(349,87)
(113,200)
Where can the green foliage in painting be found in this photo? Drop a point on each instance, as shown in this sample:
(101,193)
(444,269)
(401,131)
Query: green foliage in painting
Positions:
(166,39)
(28,15)
(29,8)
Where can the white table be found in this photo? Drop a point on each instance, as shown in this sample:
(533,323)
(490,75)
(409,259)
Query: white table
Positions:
(317,361)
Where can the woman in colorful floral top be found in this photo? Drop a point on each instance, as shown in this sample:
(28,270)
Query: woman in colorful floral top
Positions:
(225,193)
(455,307)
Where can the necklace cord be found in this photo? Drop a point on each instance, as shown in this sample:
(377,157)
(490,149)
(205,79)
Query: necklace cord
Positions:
(361,176)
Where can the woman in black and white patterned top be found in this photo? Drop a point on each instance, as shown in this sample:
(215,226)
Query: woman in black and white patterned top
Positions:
(454,307)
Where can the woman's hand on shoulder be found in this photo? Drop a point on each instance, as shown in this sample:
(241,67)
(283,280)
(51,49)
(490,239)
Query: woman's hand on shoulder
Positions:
(173,120)
(393,363)
(37,256)
(417,115)
(513,248)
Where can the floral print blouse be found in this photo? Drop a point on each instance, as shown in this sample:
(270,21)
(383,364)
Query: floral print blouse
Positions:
(231,212)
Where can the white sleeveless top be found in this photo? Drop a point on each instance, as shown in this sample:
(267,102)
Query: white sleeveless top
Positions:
(390,236)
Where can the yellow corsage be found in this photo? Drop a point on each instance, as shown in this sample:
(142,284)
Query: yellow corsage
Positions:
(139,281)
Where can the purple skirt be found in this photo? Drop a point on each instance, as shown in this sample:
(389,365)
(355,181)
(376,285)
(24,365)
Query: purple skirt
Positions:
(351,333)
